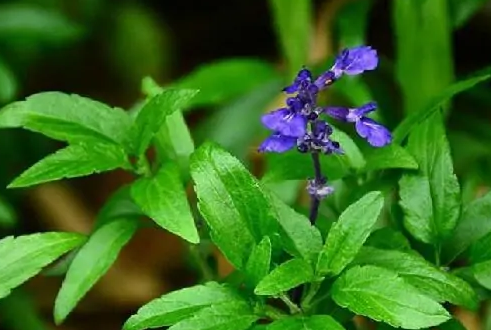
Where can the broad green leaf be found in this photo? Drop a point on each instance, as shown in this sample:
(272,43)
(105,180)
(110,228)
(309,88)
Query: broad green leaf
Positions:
(236,125)
(481,249)
(462,10)
(382,295)
(92,262)
(8,217)
(259,262)
(163,198)
(482,273)
(388,239)
(314,322)
(294,23)
(8,83)
(436,103)
(180,305)
(154,113)
(74,161)
(232,203)
(224,80)
(391,156)
(351,150)
(414,269)
(19,312)
(453,324)
(352,23)
(298,237)
(36,23)
(422,32)
(70,118)
(285,277)
(25,256)
(348,234)
(173,140)
(473,225)
(430,199)
(232,315)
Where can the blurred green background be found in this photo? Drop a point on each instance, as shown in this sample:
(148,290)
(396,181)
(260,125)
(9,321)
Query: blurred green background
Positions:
(240,54)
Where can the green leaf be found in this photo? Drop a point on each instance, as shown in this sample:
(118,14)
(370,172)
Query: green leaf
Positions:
(92,262)
(8,83)
(352,22)
(414,269)
(422,31)
(259,262)
(473,225)
(8,217)
(463,10)
(70,118)
(391,156)
(298,237)
(233,315)
(19,312)
(431,199)
(293,22)
(482,273)
(36,23)
(348,234)
(163,198)
(180,305)
(314,322)
(153,115)
(74,161)
(24,256)
(481,249)
(225,80)
(382,295)
(286,276)
(436,103)
(388,239)
(232,203)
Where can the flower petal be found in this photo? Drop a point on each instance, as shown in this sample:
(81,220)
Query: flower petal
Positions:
(285,122)
(339,113)
(273,119)
(365,109)
(277,143)
(325,79)
(353,61)
(376,134)
(303,77)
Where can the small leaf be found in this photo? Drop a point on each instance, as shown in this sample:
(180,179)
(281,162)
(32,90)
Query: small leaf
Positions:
(435,189)
(298,237)
(153,115)
(293,20)
(314,322)
(436,104)
(232,203)
(285,277)
(91,263)
(259,262)
(225,80)
(348,234)
(433,282)
(25,256)
(481,249)
(232,315)
(391,156)
(163,199)
(381,295)
(74,161)
(463,10)
(8,83)
(473,225)
(71,118)
(179,305)
(388,239)
(482,273)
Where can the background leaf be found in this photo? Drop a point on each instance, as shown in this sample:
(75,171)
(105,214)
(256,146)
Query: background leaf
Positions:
(24,256)
(462,10)
(286,276)
(74,161)
(314,322)
(20,313)
(91,263)
(482,273)
(391,156)
(383,296)
(348,234)
(259,262)
(8,82)
(163,198)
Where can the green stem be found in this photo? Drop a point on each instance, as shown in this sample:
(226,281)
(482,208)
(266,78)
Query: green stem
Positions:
(143,166)
(206,272)
(437,254)
(273,313)
(294,309)
(313,289)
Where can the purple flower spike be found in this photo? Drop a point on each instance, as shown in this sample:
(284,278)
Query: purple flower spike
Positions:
(325,79)
(277,143)
(285,122)
(304,77)
(353,61)
(339,113)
